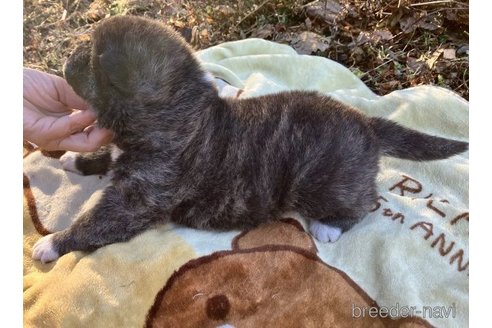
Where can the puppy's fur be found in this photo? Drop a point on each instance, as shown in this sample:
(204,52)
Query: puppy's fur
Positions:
(195,159)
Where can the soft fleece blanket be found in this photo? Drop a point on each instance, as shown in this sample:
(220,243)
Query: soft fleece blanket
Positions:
(405,264)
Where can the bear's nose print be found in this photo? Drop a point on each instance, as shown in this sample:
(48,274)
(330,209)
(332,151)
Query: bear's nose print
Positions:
(218,307)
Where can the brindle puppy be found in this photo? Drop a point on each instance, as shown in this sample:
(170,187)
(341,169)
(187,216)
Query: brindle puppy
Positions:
(195,159)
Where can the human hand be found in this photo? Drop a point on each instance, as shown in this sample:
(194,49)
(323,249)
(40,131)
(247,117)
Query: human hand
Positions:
(56,118)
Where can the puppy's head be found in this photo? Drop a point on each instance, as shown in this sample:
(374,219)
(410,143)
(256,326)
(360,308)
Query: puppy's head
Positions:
(130,70)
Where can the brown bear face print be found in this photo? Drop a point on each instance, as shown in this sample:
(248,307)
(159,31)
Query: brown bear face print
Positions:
(277,283)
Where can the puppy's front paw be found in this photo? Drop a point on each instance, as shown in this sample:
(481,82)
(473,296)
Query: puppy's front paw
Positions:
(324,232)
(44,250)
(67,161)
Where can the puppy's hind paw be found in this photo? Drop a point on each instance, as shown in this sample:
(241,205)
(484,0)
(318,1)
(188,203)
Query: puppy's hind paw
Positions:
(324,232)
(68,160)
(44,250)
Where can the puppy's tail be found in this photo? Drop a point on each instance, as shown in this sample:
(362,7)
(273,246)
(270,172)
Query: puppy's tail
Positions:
(398,141)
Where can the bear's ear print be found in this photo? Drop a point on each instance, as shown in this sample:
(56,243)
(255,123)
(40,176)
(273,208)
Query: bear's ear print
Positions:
(116,68)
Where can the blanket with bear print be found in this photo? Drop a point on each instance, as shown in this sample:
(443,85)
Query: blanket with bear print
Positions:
(405,265)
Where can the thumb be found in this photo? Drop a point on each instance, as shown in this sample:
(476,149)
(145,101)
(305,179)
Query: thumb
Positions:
(80,119)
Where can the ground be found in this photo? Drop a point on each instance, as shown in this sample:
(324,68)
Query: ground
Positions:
(389,44)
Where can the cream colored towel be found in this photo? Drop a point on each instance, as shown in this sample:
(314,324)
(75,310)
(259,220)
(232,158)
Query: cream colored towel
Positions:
(407,259)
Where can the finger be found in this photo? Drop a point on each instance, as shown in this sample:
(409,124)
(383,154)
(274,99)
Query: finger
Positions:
(47,131)
(50,93)
(62,127)
(80,119)
(39,129)
(68,96)
(40,90)
(86,141)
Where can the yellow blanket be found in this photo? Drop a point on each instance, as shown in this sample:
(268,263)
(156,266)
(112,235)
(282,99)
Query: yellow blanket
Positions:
(407,259)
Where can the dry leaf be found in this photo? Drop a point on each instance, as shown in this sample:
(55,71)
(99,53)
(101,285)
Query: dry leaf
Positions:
(280,28)
(326,11)
(429,26)
(225,10)
(435,55)
(373,37)
(308,23)
(416,65)
(96,12)
(178,24)
(204,33)
(263,32)
(308,42)
(362,38)
(384,35)
(172,11)
(357,54)
(449,54)
(136,3)
(442,66)
(408,24)
(451,15)
(389,85)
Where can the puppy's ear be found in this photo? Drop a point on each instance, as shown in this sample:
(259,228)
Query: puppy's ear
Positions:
(116,68)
